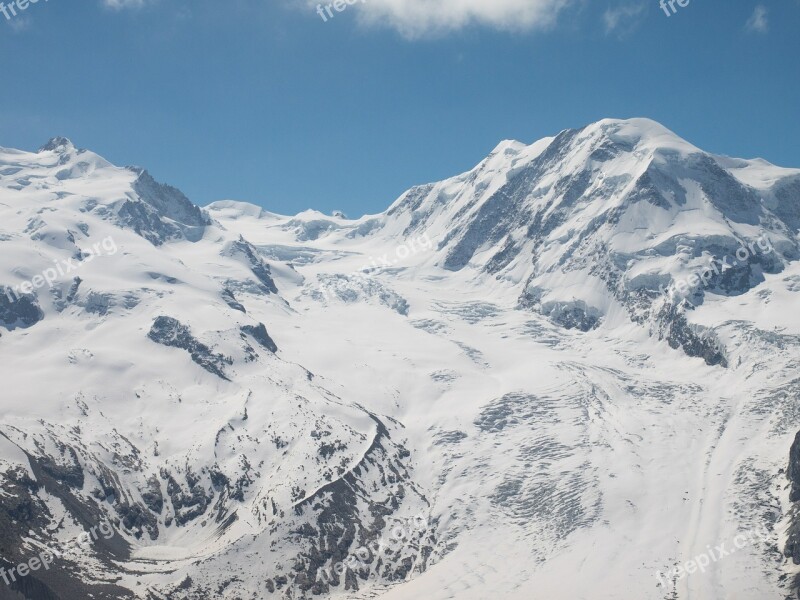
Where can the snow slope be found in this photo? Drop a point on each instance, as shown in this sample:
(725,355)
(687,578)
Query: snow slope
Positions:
(525,355)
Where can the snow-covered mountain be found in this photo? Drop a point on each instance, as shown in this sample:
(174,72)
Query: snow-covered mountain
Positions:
(559,375)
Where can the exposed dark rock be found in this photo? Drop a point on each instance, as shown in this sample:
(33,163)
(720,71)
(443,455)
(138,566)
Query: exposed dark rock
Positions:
(135,518)
(574,316)
(62,299)
(679,334)
(245,251)
(160,212)
(507,207)
(340,527)
(231,301)
(792,547)
(259,334)
(70,474)
(139,519)
(168,201)
(793,472)
(787,205)
(98,304)
(649,188)
(18,311)
(188,505)
(171,332)
(144,222)
(22,510)
(57,144)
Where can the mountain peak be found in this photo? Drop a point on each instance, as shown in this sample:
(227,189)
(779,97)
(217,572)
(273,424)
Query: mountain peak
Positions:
(508,146)
(642,132)
(58,144)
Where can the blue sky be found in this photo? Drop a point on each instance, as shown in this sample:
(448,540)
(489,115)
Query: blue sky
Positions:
(263,101)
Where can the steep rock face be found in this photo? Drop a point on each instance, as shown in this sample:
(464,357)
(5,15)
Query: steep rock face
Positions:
(157,212)
(27,509)
(338,526)
(171,332)
(793,472)
(245,253)
(160,213)
(19,311)
(588,182)
(611,206)
(259,334)
(792,548)
(167,201)
(695,341)
(786,203)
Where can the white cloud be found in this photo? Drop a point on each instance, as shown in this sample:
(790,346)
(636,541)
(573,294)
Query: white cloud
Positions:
(758,22)
(20,24)
(119,4)
(622,19)
(415,18)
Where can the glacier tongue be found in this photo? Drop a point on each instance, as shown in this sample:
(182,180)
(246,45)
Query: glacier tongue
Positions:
(581,355)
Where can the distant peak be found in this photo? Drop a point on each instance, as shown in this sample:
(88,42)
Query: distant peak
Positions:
(508,146)
(57,144)
(631,129)
(140,171)
(645,134)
